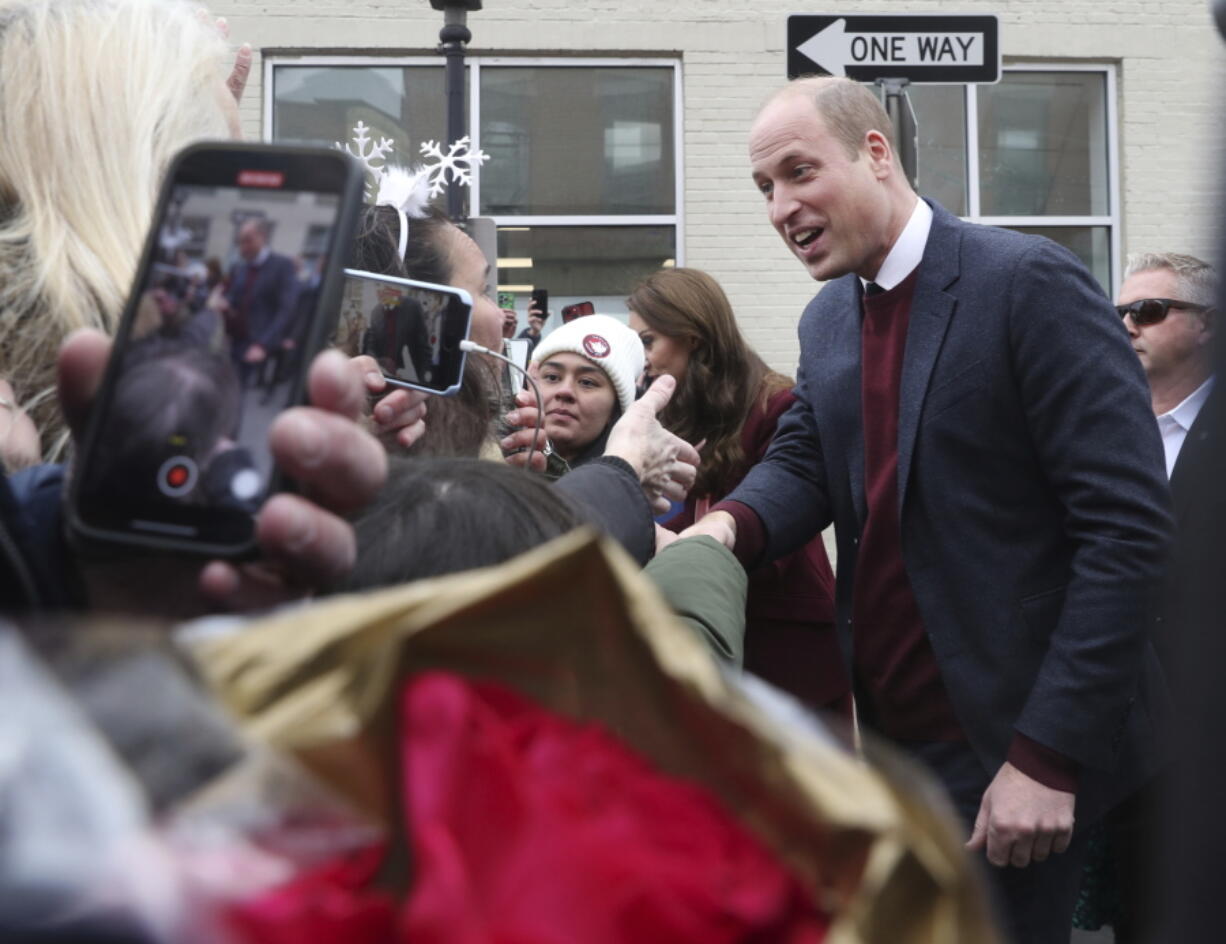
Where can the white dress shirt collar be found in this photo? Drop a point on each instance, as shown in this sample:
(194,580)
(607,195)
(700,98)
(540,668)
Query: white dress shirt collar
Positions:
(1175,423)
(908,249)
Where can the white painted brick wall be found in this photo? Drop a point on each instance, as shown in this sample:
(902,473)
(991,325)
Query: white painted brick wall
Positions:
(1170,132)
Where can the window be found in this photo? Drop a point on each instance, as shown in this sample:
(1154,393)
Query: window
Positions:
(583,177)
(1044,158)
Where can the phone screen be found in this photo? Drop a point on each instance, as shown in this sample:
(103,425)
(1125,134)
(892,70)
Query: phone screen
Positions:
(413,329)
(225,312)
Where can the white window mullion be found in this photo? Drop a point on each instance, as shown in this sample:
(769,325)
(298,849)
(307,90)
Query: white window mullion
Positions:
(972,152)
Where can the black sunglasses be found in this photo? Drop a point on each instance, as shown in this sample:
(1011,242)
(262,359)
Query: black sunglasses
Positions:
(1149,311)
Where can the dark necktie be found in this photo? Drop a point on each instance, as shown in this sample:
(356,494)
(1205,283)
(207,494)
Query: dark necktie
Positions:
(872,288)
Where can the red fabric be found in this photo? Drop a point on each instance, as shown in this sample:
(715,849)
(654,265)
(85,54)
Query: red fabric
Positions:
(893,661)
(529,828)
(1050,768)
(328,905)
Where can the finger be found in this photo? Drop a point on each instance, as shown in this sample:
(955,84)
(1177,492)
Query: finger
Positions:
(673,492)
(658,394)
(314,547)
(660,505)
(81,365)
(520,460)
(1000,846)
(335,386)
(521,439)
(526,398)
(688,454)
(400,408)
(409,435)
(1021,852)
(337,462)
(683,473)
(1043,841)
(1061,840)
(367,368)
(237,82)
(245,589)
(979,833)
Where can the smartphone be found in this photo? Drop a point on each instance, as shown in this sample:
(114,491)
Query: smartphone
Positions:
(176,453)
(413,329)
(577,310)
(540,298)
(506,299)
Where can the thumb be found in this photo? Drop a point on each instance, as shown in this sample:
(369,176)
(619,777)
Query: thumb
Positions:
(659,393)
(979,835)
(82,362)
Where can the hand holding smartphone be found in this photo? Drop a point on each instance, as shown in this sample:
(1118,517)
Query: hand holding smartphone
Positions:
(176,454)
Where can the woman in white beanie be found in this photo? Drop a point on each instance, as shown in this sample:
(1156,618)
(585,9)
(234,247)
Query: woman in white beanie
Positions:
(586,371)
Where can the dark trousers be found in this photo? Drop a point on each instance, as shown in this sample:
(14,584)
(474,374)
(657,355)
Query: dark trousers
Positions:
(1033,905)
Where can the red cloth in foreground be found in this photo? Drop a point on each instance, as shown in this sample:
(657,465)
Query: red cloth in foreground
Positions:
(530,828)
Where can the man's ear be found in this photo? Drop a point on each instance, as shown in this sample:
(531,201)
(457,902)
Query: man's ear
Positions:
(879,153)
(1208,319)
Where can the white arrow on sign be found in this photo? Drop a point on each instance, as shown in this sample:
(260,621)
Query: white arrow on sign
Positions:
(834,49)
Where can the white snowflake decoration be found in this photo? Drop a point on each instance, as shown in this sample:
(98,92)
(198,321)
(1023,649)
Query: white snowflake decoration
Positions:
(377,152)
(459,160)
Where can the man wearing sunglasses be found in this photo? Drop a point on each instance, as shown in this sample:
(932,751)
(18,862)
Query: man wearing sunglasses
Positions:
(1166,303)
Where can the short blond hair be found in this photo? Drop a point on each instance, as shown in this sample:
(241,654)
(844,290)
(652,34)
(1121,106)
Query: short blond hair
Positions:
(1197,279)
(95,98)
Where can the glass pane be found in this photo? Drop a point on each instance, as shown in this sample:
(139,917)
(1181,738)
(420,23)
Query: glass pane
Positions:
(1091,244)
(940,114)
(600,264)
(323,103)
(1043,145)
(577,140)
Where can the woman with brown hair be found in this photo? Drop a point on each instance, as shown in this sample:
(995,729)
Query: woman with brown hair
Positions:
(728,396)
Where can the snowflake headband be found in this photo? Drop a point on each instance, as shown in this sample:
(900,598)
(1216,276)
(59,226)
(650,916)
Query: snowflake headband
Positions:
(409,192)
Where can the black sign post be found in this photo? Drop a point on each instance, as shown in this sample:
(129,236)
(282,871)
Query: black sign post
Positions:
(893,52)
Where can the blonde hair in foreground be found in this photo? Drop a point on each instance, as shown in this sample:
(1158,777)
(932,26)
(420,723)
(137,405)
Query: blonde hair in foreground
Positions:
(96,96)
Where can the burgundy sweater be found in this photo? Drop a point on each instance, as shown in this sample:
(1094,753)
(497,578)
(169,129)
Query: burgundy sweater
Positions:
(899,683)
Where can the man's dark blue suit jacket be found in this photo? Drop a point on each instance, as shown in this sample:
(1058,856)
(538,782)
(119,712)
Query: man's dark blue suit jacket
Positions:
(1034,504)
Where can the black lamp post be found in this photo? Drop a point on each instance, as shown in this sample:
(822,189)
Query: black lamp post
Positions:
(453,38)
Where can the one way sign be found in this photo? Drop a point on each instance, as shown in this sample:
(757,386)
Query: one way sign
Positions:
(920,48)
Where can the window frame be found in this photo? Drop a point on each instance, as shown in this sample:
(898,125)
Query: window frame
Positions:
(474,63)
(1109,220)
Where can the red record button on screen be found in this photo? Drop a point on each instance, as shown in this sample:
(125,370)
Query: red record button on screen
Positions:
(177,476)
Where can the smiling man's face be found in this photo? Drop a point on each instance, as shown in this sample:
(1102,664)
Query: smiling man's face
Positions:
(833,211)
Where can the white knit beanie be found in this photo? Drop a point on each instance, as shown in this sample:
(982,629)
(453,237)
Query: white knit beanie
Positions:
(604,341)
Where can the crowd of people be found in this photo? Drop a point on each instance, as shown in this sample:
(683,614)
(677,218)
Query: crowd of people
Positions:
(995,445)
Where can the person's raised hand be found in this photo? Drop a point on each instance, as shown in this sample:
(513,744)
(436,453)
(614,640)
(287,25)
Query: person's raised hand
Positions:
(397,416)
(666,464)
(1022,821)
(527,434)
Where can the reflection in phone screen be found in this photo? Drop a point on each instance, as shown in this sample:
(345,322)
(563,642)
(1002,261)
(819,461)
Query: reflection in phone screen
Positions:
(413,332)
(213,352)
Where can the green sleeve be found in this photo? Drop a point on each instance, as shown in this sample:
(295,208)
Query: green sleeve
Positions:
(706,587)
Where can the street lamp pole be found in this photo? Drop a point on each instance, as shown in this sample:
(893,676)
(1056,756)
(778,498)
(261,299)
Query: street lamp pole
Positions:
(453,38)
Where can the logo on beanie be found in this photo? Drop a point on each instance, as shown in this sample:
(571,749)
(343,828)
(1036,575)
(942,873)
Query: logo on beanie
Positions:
(596,346)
